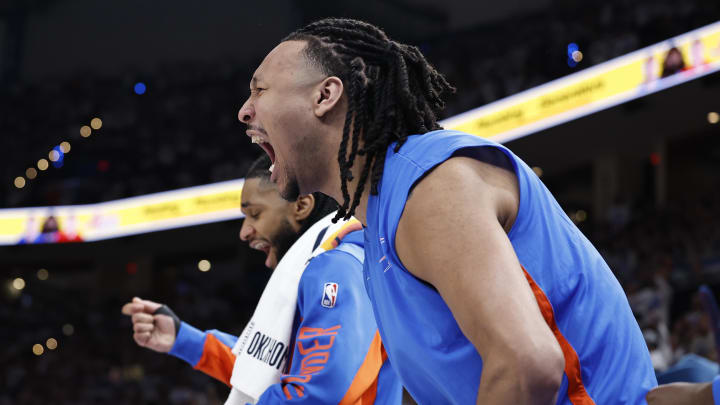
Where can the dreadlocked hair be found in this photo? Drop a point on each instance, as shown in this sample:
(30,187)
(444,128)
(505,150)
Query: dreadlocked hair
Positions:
(324,205)
(392,92)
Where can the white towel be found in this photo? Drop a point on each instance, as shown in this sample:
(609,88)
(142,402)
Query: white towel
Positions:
(263,348)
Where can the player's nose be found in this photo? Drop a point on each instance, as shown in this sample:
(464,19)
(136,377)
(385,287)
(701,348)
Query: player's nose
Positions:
(246,113)
(246,231)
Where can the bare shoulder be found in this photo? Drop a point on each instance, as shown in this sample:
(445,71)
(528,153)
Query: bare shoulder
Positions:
(477,180)
(456,200)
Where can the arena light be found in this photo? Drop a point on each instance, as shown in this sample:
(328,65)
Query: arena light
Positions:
(68,329)
(31,173)
(538,170)
(655,159)
(581,215)
(43,274)
(713,117)
(54,155)
(19,182)
(65,146)
(60,157)
(51,344)
(85,131)
(573,54)
(38,349)
(96,123)
(139,88)
(18,283)
(204,265)
(42,164)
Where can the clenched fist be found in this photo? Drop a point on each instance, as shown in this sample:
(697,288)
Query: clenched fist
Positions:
(154,325)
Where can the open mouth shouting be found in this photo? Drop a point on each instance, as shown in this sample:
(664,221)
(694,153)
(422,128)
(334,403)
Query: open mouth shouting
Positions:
(259,136)
(263,246)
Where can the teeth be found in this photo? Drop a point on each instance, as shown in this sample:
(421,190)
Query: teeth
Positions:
(272,166)
(256,139)
(259,245)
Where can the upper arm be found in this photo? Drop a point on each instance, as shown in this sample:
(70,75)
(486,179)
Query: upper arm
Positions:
(453,234)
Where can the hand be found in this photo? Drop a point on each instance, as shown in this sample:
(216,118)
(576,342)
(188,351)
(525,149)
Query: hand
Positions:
(152,330)
(681,394)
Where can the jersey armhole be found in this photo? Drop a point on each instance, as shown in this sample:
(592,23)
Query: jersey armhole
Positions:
(500,157)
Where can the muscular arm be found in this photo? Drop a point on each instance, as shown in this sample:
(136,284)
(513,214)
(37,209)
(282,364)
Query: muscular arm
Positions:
(453,234)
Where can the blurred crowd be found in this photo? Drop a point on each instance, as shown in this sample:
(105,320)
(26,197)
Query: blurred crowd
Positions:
(181,132)
(96,360)
(184,131)
(661,256)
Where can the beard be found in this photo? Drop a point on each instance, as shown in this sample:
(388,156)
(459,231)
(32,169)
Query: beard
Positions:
(291,191)
(284,238)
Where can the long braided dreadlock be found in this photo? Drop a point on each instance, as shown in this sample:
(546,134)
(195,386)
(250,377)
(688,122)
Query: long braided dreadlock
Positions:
(392,92)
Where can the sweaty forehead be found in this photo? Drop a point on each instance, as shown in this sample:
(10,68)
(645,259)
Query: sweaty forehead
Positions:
(285,59)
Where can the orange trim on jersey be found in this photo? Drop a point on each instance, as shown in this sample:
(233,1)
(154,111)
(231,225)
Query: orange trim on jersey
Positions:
(333,241)
(363,388)
(217,360)
(577,393)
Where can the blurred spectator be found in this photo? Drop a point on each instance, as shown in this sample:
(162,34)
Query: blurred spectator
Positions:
(674,63)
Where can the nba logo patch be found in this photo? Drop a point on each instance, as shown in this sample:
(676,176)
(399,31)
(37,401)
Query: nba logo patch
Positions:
(329,295)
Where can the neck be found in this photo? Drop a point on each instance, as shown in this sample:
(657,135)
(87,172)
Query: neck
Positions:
(336,192)
(361,210)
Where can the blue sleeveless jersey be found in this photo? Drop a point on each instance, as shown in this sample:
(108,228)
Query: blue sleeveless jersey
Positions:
(606,359)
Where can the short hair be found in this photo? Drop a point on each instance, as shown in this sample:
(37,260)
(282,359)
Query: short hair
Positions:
(392,92)
(324,205)
(260,168)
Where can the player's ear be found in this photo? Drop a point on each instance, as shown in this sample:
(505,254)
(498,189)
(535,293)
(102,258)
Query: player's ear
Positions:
(303,207)
(327,95)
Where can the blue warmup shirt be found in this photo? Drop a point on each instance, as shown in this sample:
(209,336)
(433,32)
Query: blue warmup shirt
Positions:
(607,361)
(338,355)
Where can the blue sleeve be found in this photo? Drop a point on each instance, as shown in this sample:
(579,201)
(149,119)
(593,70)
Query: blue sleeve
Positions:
(335,338)
(716,390)
(190,342)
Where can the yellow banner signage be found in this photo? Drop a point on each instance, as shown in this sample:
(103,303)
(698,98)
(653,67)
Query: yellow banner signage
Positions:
(130,216)
(648,70)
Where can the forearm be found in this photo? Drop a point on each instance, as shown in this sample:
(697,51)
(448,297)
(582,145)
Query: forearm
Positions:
(209,352)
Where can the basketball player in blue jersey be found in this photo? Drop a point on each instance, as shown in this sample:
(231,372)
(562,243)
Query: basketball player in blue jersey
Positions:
(338,356)
(483,290)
